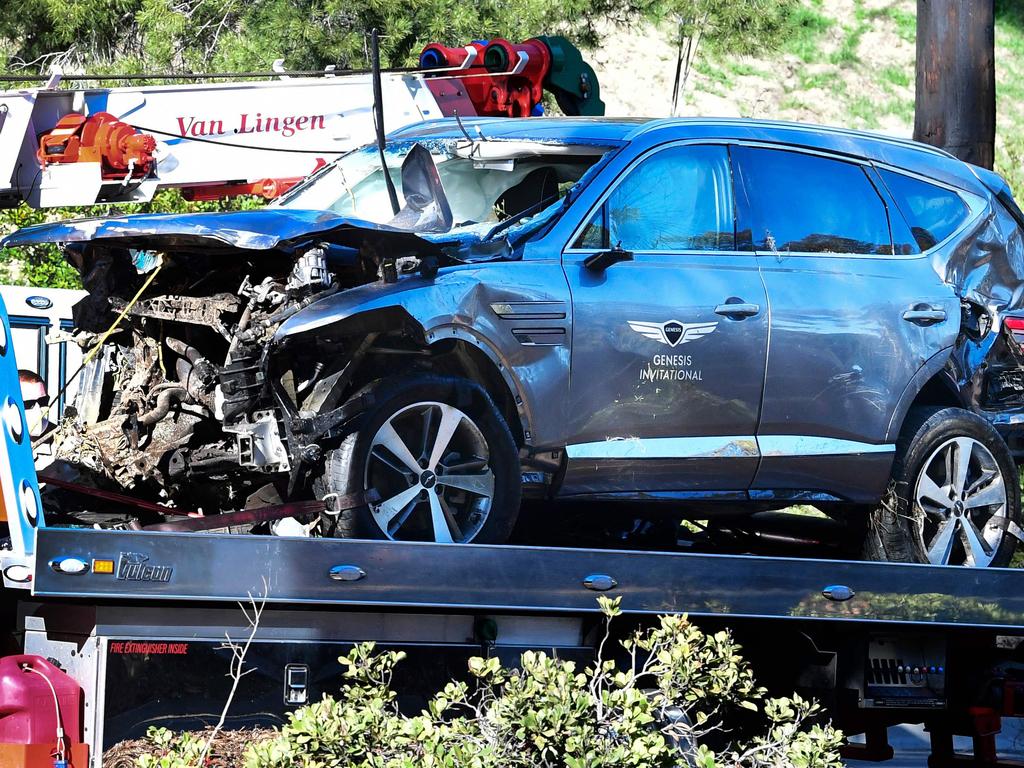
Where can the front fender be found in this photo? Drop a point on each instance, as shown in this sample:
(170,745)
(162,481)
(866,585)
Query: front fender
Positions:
(361,300)
(518,314)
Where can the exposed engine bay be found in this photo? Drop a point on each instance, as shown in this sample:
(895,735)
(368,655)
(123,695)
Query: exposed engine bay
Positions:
(192,404)
(177,393)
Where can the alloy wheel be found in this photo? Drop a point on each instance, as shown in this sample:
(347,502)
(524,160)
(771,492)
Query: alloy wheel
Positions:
(430,464)
(962,504)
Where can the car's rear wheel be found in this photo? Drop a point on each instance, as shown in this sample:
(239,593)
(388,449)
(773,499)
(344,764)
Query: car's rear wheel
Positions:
(954,498)
(441,458)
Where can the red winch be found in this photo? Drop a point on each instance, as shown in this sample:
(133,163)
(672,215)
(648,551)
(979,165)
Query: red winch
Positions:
(121,150)
(502,79)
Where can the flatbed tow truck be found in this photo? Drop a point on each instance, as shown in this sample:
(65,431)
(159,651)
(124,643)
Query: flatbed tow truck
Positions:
(135,621)
(138,619)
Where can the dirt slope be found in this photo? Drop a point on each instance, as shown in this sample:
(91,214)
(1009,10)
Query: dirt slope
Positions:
(845,62)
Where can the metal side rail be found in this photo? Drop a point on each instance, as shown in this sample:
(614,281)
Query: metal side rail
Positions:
(94,564)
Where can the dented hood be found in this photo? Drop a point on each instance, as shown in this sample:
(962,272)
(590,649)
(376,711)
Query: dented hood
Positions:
(269,228)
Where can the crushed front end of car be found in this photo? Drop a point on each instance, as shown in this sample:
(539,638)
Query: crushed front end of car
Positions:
(193,397)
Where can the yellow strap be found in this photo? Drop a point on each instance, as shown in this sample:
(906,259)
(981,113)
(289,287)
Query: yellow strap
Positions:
(99,344)
(120,317)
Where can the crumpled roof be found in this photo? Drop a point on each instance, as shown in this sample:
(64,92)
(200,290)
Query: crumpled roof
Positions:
(264,229)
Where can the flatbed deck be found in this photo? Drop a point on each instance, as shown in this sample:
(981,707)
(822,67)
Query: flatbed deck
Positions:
(215,567)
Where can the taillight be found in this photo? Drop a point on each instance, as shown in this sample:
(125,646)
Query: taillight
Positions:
(1015,325)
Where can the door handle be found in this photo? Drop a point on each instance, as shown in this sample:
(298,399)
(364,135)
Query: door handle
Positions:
(739,309)
(924,315)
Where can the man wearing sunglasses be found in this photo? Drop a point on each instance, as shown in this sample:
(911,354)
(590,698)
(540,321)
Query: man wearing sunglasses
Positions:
(37,406)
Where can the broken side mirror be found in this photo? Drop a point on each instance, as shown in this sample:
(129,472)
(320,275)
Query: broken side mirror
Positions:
(599,262)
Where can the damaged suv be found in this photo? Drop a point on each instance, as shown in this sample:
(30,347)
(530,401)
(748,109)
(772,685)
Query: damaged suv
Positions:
(729,316)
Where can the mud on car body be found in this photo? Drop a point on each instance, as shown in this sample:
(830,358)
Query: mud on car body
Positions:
(728,316)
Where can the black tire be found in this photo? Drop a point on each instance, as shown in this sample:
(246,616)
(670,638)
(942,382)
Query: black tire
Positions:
(897,528)
(346,468)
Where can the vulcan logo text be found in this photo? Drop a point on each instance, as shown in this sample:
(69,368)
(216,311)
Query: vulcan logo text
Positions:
(133,566)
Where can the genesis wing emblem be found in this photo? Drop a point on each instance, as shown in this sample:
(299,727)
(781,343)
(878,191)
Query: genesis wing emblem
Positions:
(672,333)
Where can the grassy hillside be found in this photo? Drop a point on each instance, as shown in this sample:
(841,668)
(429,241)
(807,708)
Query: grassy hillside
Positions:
(838,62)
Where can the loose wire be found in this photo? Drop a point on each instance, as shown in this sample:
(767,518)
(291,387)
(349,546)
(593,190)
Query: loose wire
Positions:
(62,742)
(205,75)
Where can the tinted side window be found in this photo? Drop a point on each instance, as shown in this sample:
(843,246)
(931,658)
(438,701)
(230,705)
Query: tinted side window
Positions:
(595,234)
(903,241)
(933,213)
(811,204)
(678,199)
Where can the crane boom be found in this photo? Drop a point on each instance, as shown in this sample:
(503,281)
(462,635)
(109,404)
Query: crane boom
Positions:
(64,147)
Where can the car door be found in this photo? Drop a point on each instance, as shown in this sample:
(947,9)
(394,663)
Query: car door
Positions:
(853,318)
(668,347)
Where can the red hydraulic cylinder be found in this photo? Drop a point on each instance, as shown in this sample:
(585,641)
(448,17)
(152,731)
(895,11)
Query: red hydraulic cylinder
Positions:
(436,56)
(527,64)
(502,79)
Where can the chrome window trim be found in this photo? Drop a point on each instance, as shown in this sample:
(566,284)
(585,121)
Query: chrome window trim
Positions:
(723,446)
(800,149)
(831,255)
(695,252)
(667,123)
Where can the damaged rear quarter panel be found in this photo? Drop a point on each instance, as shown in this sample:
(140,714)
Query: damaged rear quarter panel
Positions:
(988,269)
(518,313)
(985,268)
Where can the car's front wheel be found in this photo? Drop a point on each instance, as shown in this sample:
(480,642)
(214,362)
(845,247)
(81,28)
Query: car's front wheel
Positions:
(954,498)
(441,459)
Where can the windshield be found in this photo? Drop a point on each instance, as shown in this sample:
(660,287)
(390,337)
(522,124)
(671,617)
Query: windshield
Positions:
(485,182)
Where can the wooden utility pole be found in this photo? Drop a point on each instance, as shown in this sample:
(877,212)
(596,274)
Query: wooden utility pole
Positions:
(956,78)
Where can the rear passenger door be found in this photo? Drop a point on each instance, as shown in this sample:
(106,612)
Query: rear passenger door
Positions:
(853,317)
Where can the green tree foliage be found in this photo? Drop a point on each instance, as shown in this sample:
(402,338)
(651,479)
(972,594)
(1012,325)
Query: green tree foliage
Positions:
(726,26)
(185,36)
(1010,12)
(676,690)
(235,35)
(38,266)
